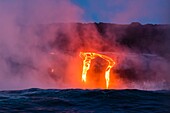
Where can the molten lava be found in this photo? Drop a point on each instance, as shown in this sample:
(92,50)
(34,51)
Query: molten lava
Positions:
(88,56)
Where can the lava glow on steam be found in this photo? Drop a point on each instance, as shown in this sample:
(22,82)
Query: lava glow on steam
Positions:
(88,56)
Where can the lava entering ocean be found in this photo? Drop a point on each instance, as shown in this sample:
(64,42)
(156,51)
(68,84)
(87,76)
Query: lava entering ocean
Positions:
(130,70)
(88,56)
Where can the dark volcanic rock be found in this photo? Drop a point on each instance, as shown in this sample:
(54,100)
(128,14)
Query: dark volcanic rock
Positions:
(149,38)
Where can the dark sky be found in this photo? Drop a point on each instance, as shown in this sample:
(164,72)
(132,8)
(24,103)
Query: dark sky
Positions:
(125,11)
(114,11)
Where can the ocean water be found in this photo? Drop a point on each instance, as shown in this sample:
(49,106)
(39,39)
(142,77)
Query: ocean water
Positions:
(84,101)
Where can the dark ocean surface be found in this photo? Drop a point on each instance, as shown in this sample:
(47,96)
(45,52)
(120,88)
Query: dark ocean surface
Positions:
(84,101)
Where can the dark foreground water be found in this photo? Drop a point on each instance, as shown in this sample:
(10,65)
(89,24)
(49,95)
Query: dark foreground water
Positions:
(85,101)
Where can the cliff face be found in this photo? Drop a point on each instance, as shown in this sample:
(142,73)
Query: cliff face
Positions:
(141,38)
(152,39)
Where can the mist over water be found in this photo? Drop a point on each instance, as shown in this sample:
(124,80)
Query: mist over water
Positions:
(29,33)
(24,51)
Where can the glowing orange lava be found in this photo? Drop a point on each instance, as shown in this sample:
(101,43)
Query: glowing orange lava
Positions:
(87,57)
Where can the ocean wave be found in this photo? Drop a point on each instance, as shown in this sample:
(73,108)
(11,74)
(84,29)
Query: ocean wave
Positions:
(85,100)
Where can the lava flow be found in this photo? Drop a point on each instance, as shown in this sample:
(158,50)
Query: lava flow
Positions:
(87,57)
